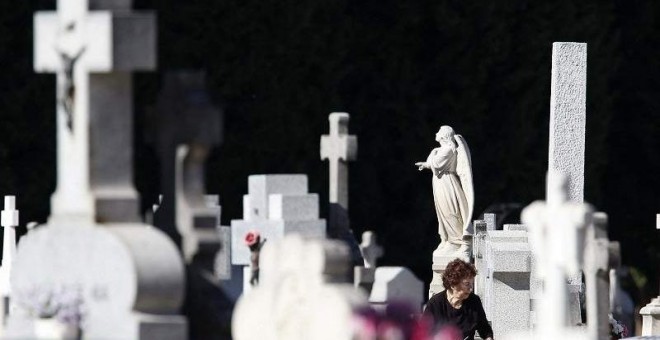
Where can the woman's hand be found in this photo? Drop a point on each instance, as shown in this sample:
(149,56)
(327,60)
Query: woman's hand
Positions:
(420,165)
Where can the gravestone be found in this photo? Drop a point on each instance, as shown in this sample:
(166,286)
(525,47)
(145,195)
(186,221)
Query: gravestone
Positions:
(93,54)
(302,293)
(601,255)
(568,114)
(396,284)
(567,131)
(275,206)
(339,148)
(363,276)
(651,312)
(504,261)
(129,276)
(555,224)
(186,125)
(9,222)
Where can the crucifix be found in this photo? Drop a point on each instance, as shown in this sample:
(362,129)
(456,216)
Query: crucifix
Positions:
(92,53)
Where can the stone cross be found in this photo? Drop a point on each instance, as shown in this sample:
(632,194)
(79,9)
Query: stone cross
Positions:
(568,114)
(556,224)
(339,148)
(370,249)
(93,53)
(184,128)
(600,256)
(9,221)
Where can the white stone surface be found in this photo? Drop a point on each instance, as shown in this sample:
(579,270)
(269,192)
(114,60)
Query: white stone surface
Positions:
(270,230)
(276,205)
(450,165)
(651,318)
(101,47)
(503,279)
(293,207)
(491,221)
(510,300)
(338,148)
(557,224)
(651,312)
(260,187)
(131,278)
(513,227)
(294,299)
(596,272)
(9,222)
(568,114)
(396,284)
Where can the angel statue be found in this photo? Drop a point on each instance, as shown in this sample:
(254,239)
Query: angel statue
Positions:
(453,193)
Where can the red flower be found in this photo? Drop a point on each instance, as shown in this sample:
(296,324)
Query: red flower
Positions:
(252,238)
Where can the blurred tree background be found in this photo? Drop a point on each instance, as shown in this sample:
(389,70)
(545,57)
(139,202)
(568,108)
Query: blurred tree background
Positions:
(401,69)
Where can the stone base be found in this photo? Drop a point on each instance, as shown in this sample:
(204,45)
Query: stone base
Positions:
(651,318)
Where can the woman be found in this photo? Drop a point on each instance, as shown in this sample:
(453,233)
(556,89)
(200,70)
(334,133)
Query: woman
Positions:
(451,204)
(457,306)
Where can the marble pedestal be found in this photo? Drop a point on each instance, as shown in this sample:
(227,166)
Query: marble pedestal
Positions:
(651,318)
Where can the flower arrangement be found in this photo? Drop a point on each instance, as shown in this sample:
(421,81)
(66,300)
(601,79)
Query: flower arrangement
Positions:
(617,329)
(63,303)
(252,240)
(397,322)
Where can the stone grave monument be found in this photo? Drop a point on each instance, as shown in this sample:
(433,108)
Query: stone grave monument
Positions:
(396,284)
(184,128)
(363,276)
(276,205)
(339,148)
(555,224)
(600,257)
(453,194)
(302,293)
(128,277)
(9,222)
(568,115)
(503,260)
(651,312)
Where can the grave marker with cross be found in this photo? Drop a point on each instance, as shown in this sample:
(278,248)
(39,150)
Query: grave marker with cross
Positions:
(556,224)
(184,128)
(363,276)
(339,148)
(9,222)
(93,53)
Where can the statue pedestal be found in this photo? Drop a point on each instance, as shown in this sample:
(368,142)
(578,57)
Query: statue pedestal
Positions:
(440,263)
(651,318)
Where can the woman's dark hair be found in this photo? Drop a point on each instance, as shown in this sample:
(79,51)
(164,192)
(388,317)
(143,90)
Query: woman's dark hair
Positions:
(457,271)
